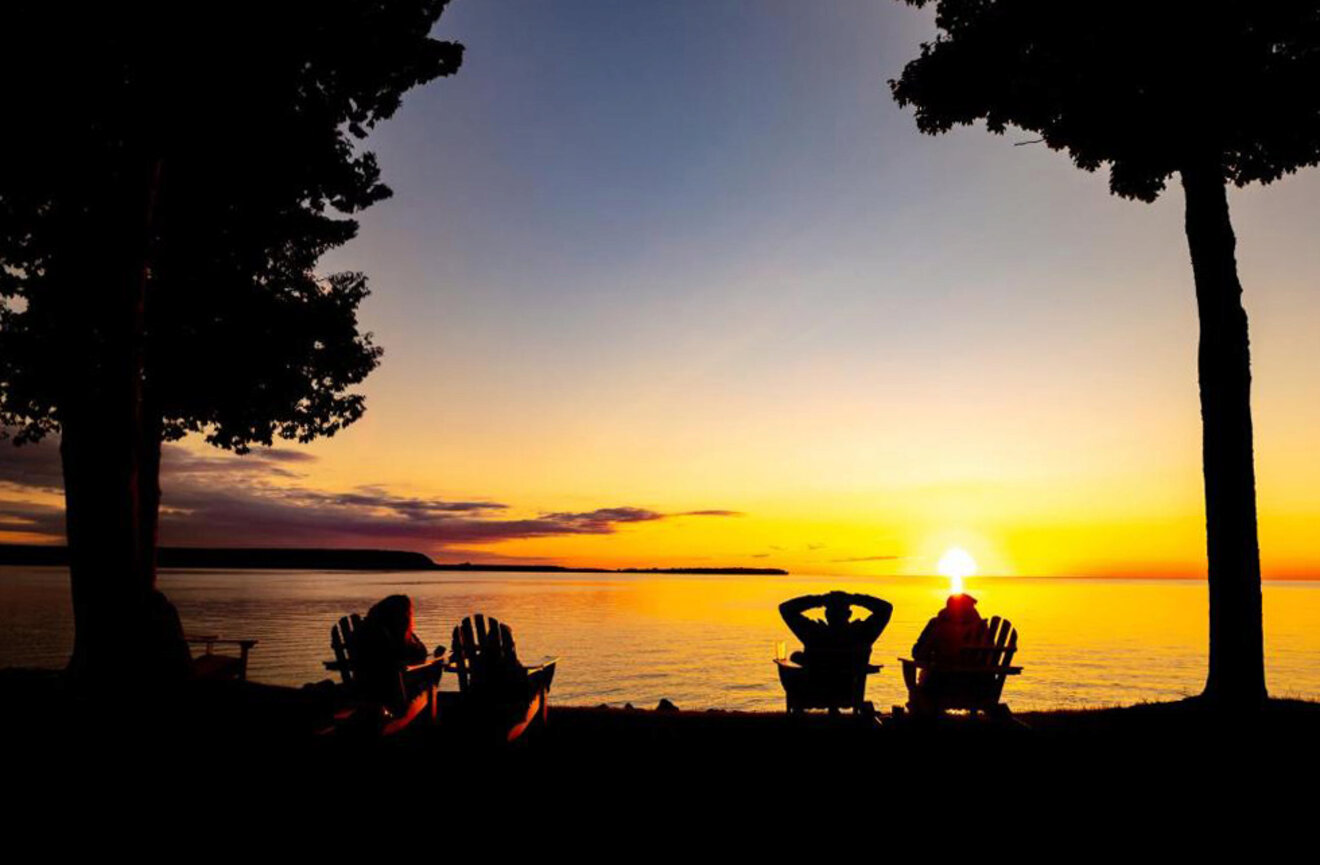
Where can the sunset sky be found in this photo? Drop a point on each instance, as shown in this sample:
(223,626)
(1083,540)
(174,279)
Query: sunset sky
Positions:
(679,284)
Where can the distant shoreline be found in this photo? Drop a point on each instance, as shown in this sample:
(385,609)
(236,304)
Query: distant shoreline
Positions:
(290,558)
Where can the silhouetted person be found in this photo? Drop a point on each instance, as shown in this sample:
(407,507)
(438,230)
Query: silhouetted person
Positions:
(394,616)
(944,638)
(388,644)
(837,639)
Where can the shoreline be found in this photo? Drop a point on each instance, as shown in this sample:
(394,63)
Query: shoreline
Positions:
(330,559)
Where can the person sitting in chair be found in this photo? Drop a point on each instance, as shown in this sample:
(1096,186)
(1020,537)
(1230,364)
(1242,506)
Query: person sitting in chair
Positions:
(836,638)
(392,646)
(943,638)
(942,642)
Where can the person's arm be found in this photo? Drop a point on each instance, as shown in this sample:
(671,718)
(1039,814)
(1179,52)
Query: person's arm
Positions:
(921,648)
(413,650)
(873,625)
(792,613)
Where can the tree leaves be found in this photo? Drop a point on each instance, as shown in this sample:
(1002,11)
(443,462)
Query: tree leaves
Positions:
(254,116)
(1143,88)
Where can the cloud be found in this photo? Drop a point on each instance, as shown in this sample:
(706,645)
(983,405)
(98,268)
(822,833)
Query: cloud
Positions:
(32,518)
(373,497)
(869,559)
(32,466)
(304,518)
(711,513)
(259,499)
(176,461)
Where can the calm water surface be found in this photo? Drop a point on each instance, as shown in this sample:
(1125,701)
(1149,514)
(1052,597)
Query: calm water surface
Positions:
(707,641)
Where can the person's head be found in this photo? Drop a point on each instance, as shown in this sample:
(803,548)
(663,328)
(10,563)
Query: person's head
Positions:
(394,613)
(837,609)
(961,605)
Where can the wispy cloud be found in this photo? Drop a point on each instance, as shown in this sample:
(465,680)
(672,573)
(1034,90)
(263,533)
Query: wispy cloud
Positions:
(710,513)
(868,559)
(261,499)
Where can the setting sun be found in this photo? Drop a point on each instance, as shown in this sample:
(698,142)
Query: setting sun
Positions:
(956,564)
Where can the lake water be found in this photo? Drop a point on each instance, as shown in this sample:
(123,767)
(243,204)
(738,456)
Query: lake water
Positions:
(707,641)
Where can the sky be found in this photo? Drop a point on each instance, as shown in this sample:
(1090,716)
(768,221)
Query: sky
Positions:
(679,284)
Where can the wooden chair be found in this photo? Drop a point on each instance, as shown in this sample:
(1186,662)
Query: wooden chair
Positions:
(975,682)
(352,641)
(831,684)
(211,666)
(498,695)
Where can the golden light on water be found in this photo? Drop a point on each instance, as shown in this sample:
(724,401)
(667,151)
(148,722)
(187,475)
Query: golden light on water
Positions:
(957,564)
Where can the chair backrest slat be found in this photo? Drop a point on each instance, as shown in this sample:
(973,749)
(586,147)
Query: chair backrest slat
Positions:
(991,653)
(341,655)
(458,656)
(1010,648)
(494,643)
(1001,644)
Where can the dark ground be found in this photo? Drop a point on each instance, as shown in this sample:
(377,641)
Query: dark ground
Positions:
(214,764)
(254,727)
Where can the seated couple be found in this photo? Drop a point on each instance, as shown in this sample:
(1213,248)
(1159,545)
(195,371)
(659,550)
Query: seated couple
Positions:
(838,639)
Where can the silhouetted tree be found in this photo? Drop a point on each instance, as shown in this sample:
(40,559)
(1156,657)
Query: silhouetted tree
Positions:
(1213,92)
(167,186)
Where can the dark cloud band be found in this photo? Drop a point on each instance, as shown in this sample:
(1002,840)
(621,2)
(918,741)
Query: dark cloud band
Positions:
(253,500)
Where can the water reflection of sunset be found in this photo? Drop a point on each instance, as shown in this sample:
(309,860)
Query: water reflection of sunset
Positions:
(705,641)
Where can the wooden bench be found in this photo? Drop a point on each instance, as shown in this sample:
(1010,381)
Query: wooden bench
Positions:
(974,682)
(499,696)
(210,666)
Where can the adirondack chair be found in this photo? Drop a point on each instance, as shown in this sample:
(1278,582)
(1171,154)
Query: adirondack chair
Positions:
(498,695)
(376,690)
(833,684)
(975,682)
(208,665)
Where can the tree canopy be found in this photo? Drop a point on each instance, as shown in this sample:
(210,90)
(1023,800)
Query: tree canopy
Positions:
(1146,88)
(239,134)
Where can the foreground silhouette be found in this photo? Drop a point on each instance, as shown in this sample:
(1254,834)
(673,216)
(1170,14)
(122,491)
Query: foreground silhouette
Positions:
(387,677)
(830,672)
(164,211)
(960,661)
(500,698)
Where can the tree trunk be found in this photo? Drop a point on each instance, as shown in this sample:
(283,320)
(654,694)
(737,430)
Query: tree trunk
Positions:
(1237,661)
(125,632)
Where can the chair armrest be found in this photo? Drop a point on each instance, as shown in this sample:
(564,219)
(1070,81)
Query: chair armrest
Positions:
(788,665)
(433,670)
(545,663)
(425,665)
(224,642)
(961,668)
